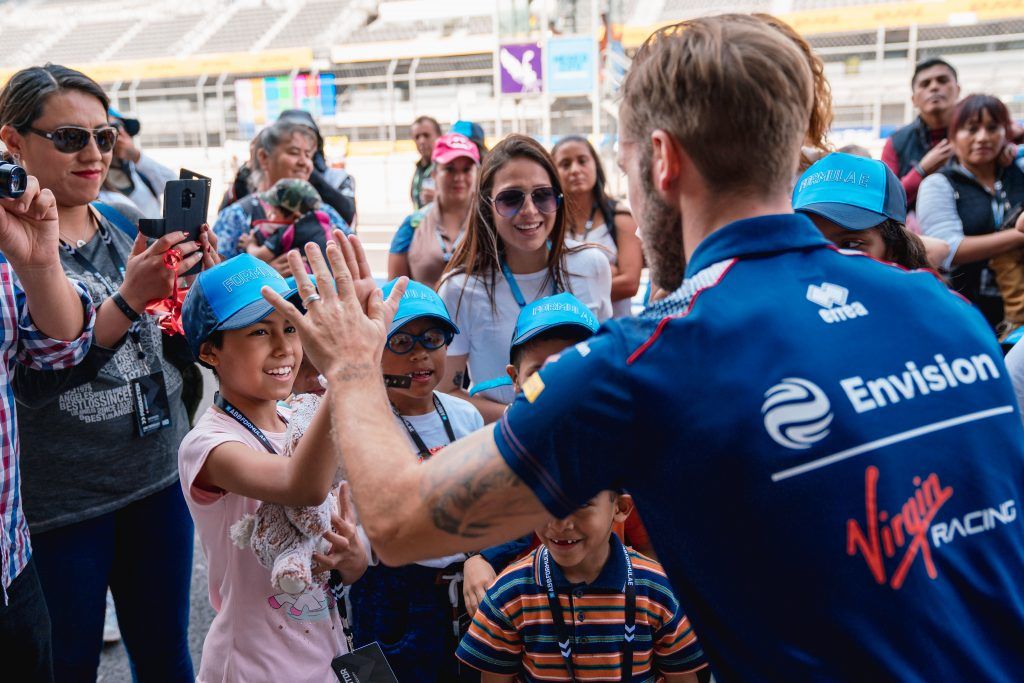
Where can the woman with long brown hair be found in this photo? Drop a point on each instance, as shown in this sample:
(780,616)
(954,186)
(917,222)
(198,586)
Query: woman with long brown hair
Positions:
(595,217)
(513,253)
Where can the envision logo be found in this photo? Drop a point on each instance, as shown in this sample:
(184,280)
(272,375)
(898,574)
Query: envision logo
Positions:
(796,413)
(832,299)
(869,394)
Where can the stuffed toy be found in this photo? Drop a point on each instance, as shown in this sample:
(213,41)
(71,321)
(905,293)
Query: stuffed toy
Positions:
(285,537)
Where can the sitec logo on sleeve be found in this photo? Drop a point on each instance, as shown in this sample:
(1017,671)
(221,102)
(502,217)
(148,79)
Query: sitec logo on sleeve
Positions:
(797,413)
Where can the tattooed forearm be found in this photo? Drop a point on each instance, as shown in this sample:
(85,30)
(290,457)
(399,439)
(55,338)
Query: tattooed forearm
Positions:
(458,379)
(470,490)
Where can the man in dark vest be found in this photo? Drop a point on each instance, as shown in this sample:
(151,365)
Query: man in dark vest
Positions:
(921,147)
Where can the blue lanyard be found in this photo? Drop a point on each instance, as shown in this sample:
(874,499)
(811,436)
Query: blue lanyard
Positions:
(241,419)
(446,253)
(517,293)
(565,640)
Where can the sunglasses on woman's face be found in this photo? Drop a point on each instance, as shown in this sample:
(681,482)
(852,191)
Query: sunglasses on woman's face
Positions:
(434,338)
(510,202)
(71,139)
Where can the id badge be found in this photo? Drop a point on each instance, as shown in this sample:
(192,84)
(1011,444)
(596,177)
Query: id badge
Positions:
(365,665)
(152,407)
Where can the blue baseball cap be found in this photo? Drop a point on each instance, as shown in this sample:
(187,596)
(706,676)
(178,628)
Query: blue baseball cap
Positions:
(851,191)
(419,301)
(131,126)
(471,129)
(227,297)
(558,310)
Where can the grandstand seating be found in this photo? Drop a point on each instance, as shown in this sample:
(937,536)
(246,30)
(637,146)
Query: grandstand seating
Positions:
(242,29)
(682,9)
(310,21)
(87,45)
(867,93)
(160,37)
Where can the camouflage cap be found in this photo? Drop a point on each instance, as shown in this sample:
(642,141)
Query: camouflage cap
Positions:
(292,194)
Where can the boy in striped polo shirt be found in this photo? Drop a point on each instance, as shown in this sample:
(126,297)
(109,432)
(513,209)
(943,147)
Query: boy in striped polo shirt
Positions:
(583,607)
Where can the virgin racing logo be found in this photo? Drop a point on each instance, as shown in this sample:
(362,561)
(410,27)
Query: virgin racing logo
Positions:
(911,531)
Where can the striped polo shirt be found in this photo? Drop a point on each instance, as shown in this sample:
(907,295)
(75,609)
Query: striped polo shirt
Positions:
(513,631)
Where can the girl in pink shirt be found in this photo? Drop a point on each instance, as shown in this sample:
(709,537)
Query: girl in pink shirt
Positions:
(232,460)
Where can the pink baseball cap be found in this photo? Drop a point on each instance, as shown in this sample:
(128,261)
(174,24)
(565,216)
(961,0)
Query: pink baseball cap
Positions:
(452,146)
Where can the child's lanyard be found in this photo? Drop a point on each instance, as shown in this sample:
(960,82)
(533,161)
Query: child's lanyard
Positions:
(517,293)
(565,640)
(421,447)
(241,419)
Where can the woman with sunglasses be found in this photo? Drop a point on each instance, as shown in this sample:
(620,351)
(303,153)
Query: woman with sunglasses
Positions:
(99,441)
(514,253)
(426,240)
(595,217)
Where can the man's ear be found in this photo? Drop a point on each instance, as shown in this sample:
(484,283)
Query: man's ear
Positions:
(666,162)
(623,507)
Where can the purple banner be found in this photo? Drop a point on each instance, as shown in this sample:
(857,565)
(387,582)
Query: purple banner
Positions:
(520,68)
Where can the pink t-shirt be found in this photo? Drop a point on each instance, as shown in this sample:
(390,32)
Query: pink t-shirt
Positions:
(258,634)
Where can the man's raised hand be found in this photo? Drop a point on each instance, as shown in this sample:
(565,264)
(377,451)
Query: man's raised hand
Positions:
(345,326)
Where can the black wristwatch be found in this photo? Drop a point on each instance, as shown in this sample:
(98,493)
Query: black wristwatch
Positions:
(123,306)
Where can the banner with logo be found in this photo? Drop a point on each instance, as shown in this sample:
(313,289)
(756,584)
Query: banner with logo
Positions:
(571,65)
(259,101)
(521,70)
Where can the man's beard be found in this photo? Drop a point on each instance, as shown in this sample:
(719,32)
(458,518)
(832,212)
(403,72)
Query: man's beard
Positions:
(662,229)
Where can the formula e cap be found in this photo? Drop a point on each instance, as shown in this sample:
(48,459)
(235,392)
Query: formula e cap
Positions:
(227,297)
(419,301)
(558,310)
(851,191)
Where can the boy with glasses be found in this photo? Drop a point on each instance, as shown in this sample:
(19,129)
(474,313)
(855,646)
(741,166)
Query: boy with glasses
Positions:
(413,611)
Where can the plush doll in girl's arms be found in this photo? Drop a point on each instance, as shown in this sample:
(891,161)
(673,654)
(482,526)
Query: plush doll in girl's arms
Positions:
(284,537)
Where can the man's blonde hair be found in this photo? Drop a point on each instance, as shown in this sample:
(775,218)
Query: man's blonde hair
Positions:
(733,91)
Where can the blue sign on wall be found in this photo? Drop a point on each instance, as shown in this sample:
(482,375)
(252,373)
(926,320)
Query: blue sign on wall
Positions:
(571,65)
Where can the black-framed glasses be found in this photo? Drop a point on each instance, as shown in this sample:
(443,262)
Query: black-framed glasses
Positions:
(432,339)
(71,139)
(510,202)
